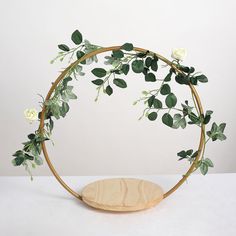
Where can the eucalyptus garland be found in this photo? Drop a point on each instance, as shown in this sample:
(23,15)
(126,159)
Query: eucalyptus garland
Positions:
(159,102)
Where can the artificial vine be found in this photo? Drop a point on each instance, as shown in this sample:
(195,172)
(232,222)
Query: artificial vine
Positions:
(159,102)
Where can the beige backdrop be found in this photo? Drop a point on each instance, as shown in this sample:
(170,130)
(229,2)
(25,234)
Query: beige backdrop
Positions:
(106,138)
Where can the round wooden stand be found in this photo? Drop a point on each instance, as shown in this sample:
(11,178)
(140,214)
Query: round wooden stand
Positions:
(121,194)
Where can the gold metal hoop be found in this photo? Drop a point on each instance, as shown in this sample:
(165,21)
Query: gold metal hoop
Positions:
(99,51)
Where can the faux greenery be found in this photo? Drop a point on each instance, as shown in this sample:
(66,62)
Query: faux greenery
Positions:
(160,102)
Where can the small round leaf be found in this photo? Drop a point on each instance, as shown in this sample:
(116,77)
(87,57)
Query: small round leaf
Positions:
(77,37)
(109,90)
(137,66)
(157,104)
(171,100)
(127,46)
(152,116)
(165,89)
(150,77)
(118,54)
(167,119)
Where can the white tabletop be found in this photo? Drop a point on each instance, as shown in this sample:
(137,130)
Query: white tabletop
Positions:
(206,205)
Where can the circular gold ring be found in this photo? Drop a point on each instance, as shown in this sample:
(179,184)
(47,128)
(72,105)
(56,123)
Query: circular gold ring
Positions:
(99,51)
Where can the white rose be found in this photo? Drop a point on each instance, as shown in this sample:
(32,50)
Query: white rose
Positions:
(179,53)
(31,114)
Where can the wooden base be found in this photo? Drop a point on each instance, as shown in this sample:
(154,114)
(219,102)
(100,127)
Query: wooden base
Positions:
(122,194)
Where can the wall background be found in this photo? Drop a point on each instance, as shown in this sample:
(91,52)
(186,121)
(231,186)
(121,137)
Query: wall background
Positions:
(106,138)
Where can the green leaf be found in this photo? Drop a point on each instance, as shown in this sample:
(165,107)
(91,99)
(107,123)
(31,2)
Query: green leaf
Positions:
(171,100)
(137,66)
(31,136)
(154,65)
(179,121)
(148,61)
(20,152)
(152,116)
(165,89)
(181,79)
(203,168)
(182,154)
(97,81)
(18,161)
(168,77)
(150,77)
(221,137)
(118,54)
(167,119)
(189,152)
(38,160)
(222,127)
(207,117)
(64,109)
(120,83)
(151,100)
(125,68)
(66,80)
(208,162)
(194,154)
(69,93)
(157,103)
(64,47)
(80,54)
(99,72)
(51,125)
(202,78)
(127,46)
(109,90)
(29,157)
(77,37)
(193,80)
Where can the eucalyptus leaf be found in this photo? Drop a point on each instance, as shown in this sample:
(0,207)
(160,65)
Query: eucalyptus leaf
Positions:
(118,54)
(99,72)
(137,66)
(77,37)
(120,83)
(125,68)
(202,78)
(152,116)
(127,46)
(150,77)
(157,103)
(64,47)
(98,81)
(167,119)
(151,101)
(171,100)
(203,168)
(165,89)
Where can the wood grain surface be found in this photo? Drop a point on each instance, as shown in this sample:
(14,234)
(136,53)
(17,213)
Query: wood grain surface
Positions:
(122,194)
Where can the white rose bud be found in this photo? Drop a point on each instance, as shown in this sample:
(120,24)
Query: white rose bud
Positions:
(31,114)
(179,53)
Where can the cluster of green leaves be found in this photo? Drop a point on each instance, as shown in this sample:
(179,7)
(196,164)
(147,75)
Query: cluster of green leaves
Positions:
(123,61)
(189,77)
(30,154)
(81,48)
(217,132)
(57,106)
